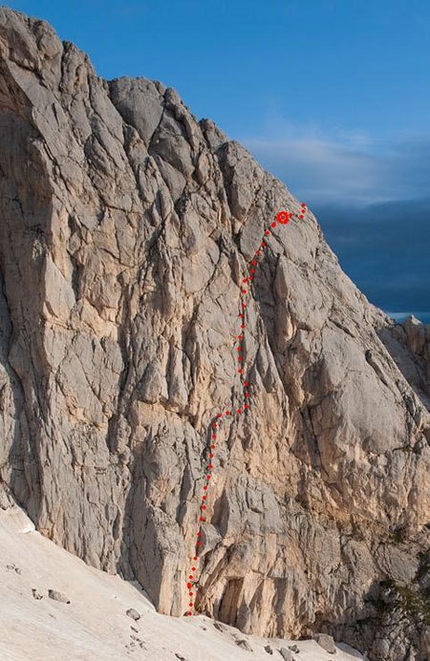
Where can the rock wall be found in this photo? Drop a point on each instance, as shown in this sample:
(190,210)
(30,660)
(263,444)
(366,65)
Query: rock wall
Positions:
(409,346)
(125,226)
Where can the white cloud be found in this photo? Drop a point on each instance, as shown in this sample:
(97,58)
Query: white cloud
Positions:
(343,166)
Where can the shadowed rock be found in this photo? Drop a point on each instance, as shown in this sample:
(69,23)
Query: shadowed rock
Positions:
(132,612)
(57,596)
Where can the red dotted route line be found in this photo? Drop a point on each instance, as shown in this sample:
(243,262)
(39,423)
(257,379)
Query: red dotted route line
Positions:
(283,217)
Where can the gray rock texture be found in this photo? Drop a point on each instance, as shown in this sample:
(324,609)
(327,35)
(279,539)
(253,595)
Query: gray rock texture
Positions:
(409,345)
(125,226)
(286,654)
(243,644)
(133,613)
(326,642)
(58,596)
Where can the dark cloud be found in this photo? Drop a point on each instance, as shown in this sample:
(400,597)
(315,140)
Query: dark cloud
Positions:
(385,249)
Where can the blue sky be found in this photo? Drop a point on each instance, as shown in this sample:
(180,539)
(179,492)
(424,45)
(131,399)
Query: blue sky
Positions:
(332,96)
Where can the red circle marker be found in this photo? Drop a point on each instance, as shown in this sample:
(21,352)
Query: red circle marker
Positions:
(282,217)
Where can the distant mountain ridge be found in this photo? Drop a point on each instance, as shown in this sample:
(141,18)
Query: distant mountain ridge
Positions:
(401,317)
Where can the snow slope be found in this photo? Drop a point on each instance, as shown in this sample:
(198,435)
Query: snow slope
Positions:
(95,624)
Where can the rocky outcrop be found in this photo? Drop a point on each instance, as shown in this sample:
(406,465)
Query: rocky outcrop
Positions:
(409,345)
(125,225)
(417,338)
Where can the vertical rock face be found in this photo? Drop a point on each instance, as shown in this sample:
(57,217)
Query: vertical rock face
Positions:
(409,345)
(125,225)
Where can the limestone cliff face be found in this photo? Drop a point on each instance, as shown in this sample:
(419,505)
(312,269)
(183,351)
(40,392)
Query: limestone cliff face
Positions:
(409,344)
(125,226)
